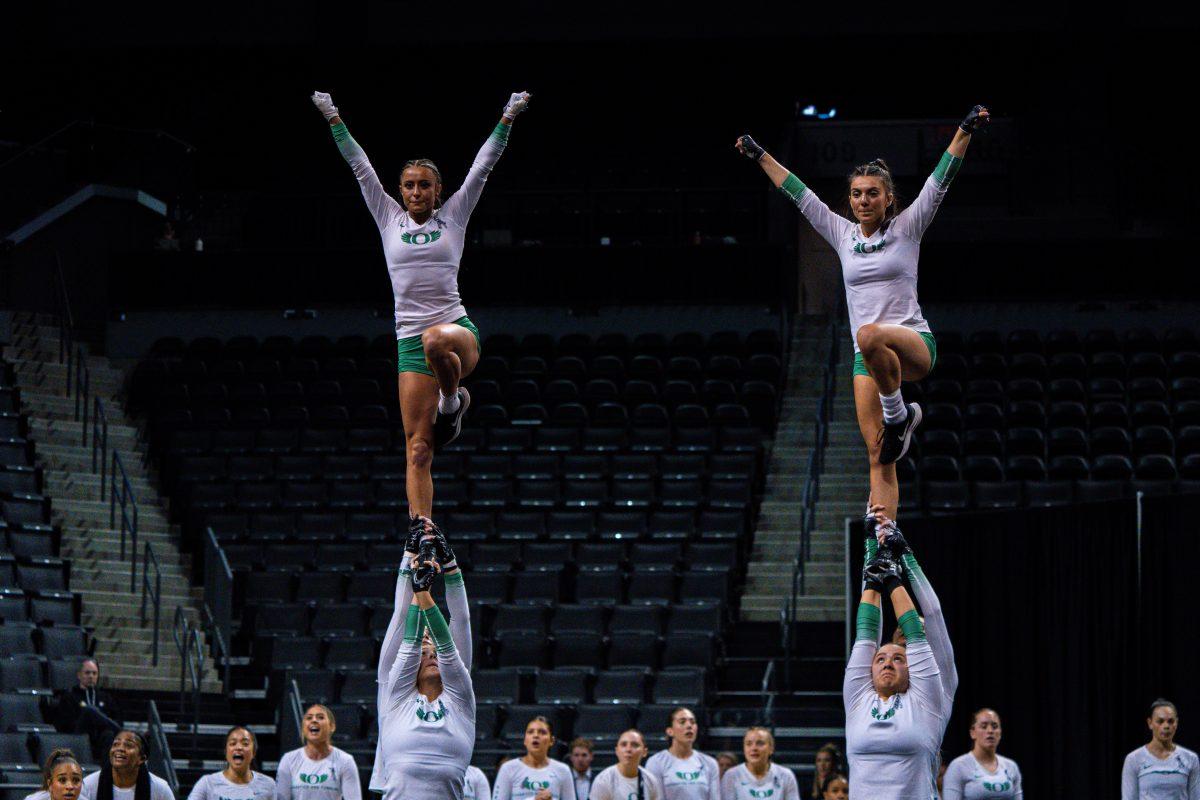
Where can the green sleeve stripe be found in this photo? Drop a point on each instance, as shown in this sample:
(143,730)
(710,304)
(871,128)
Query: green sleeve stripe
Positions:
(454,579)
(411,624)
(868,621)
(870,550)
(793,187)
(946,169)
(910,623)
(440,630)
(914,569)
(340,132)
(501,132)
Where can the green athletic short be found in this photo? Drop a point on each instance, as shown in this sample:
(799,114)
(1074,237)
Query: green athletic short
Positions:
(410,353)
(860,368)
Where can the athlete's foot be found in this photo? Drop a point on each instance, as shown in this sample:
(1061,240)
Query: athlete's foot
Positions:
(447,427)
(894,439)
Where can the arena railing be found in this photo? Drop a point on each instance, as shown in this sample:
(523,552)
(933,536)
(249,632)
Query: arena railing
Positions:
(191,668)
(291,718)
(161,763)
(66,323)
(218,602)
(808,504)
(124,497)
(152,592)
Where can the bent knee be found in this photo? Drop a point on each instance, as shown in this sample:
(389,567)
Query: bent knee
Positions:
(435,342)
(870,337)
(420,454)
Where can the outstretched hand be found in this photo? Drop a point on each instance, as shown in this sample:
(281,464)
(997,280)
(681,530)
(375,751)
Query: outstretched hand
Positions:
(976,118)
(324,104)
(516,104)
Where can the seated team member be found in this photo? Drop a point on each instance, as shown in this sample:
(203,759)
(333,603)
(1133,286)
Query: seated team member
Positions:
(318,770)
(826,765)
(581,755)
(126,777)
(757,774)
(685,773)
(426,697)
(62,777)
(983,773)
(475,785)
(535,776)
(1161,770)
(86,708)
(627,779)
(836,788)
(237,781)
(896,702)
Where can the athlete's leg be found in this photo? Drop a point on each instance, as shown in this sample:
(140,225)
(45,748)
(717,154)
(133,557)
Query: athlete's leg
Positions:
(893,353)
(452,352)
(885,488)
(418,403)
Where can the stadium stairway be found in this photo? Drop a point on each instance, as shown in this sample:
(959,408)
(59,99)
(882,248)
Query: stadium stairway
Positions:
(769,577)
(110,609)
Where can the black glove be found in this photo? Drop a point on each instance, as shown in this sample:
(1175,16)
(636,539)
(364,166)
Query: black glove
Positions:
(973,121)
(444,552)
(425,572)
(895,543)
(883,574)
(416,529)
(750,148)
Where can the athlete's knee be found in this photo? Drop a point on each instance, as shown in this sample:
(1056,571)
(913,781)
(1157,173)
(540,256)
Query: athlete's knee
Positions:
(420,454)
(436,343)
(870,338)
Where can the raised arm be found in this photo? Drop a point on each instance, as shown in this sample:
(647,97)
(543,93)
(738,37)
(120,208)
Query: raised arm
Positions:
(456,598)
(383,207)
(829,225)
(456,680)
(460,204)
(397,626)
(913,220)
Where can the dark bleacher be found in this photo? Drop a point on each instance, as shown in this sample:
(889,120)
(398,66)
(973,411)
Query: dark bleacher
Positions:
(1021,418)
(40,638)
(600,499)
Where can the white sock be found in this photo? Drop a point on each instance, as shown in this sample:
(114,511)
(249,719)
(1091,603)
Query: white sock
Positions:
(448,405)
(893,408)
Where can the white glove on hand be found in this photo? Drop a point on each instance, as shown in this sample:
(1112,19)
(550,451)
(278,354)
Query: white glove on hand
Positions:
(516,104)
(324,104)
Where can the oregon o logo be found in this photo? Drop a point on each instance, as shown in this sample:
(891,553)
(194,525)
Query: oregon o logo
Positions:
(311,779)
(420,238)
(688,776)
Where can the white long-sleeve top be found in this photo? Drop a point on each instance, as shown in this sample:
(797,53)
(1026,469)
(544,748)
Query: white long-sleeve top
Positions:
(215,786)
(892,745)
(476,786)
(935,629)
(779,783)
(1146,777)
(610,784)
(516,780)
(880,270)
(966,779)
(694,778)
(423,259)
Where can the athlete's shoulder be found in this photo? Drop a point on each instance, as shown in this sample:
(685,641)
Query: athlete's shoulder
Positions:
(708,760)
(160,788)
(473,771)
(1009,764)
(783,773)
(265,781)
(343,757)
(658,760)
(1188,755)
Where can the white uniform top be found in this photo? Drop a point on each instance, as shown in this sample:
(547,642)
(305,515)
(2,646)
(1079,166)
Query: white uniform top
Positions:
(475,785)
(159,789)
(40,794)
(892,745)
(880,271)
(423,259)
(517,781)
(778,784)
(1177,777)
(610,784)
(334,777)
(215,786)
(966,779)
(694,778)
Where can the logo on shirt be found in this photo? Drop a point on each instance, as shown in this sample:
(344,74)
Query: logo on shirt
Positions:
(431,716)
(534,786)
(760,792)
(420,238)
(313,779)
(886,715)
(689,776)
(862,248)
(1002,786)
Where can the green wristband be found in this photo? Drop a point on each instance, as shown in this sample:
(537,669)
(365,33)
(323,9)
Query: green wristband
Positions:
(867,625)
(914,629)
(947,168)
(793,187)
(439,629)
(412,624)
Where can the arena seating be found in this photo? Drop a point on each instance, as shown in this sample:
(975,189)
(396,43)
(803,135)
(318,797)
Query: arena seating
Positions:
(600,500)
(41,640)
(1024,419)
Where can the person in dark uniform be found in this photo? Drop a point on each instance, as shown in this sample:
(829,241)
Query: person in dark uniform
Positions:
(86,708)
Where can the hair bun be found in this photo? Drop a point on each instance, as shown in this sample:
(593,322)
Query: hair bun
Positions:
(879,162)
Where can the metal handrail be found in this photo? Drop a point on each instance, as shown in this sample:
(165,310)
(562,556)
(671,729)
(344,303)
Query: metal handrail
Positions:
(218,601)
(99,439)
(153,592)
(291,731)
(191,666)
(767,696)
(66,321)
(162,750)
(219,645)
(129,514)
